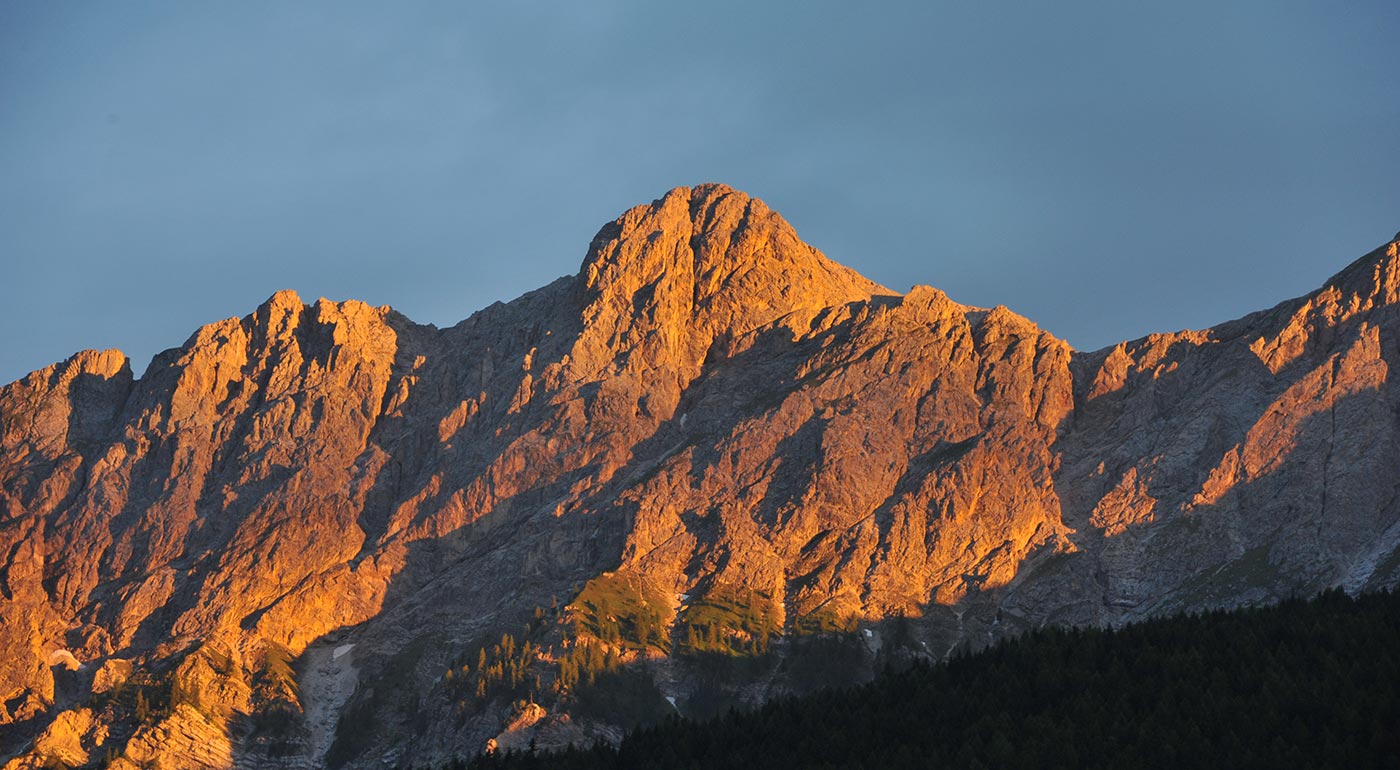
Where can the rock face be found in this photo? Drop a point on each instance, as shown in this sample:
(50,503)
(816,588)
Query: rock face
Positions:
(712,414)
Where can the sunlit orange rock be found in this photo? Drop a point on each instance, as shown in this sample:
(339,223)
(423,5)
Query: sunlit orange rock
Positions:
(709,406)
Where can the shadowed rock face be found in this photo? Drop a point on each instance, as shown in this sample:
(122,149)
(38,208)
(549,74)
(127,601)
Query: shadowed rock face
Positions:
(710,408)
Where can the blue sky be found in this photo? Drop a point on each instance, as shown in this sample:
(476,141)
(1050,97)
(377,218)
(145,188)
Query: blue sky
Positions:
(1107,169)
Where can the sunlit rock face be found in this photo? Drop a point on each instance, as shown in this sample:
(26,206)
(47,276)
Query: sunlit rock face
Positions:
(302,510)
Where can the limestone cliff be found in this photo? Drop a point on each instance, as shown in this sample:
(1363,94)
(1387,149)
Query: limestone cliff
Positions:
(292,539)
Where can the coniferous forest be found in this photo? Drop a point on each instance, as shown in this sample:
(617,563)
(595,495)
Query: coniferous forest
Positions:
(1305,684)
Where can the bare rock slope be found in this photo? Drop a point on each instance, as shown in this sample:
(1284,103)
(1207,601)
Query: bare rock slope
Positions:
(711,444)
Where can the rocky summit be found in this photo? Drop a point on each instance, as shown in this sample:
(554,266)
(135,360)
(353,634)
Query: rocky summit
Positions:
(712,467)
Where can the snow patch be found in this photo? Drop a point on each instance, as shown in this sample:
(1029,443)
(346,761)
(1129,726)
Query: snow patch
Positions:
(326,686)
(64,658)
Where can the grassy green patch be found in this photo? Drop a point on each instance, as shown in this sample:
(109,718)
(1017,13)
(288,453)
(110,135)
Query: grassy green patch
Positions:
(825,620)
(506,668)
(623,611)
(730,621)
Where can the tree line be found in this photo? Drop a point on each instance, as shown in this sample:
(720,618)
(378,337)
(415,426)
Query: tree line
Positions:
(1307,683)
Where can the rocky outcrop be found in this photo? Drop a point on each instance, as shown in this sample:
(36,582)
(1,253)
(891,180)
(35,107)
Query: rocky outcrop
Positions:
(73,738)
(1245,462)
(185,739)
(711,413)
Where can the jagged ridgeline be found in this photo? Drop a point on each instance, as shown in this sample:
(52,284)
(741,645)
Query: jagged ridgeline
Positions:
(1302,684)
(712,468)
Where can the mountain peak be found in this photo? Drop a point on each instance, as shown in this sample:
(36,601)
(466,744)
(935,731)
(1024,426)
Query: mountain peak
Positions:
(718,230)
(705,261)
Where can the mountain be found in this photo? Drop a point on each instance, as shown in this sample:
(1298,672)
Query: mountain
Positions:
(323,533)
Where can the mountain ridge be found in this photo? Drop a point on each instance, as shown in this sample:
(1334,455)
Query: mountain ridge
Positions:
(760,443)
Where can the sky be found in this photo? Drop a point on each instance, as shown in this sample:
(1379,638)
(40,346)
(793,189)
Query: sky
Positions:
(1107,169)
